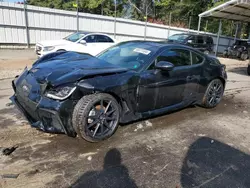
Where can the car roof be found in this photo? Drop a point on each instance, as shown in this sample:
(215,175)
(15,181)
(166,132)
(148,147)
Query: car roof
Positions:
(93,33)
(87,33)
(161,44)
(193,34)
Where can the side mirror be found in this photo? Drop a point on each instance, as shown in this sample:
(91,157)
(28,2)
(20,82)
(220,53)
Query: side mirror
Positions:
(164,65)
(83,42)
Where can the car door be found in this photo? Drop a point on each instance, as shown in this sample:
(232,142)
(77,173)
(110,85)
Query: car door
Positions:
(104,42)
(90,46)
(158,88)
(195,73)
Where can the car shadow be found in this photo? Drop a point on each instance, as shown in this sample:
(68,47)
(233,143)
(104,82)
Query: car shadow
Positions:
(210,163)
(113,175)
(239,70)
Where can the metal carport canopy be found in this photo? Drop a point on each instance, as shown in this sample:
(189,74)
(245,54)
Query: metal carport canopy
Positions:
(237,10)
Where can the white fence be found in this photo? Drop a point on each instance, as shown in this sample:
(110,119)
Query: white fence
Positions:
(20,27)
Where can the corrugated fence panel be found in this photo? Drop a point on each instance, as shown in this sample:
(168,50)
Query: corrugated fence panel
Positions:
(52,24)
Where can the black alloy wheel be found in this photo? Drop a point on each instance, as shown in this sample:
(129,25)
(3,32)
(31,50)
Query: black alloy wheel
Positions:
(213,93)
(96,117)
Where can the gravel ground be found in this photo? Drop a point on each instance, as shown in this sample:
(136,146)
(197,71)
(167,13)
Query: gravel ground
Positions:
(193,147)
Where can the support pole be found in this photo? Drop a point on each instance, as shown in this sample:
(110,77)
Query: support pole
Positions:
(206,25)
(115,22)
(169,23)
(26,24)
(77,16)
(189,24)
(236,31)
(146,21)
(218,39)
(199,25)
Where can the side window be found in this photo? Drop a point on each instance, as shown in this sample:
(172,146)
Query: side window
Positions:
(210,40)
(103,38)
(191,39)
(200,40)
(90,38)
(179,57)
(196,58)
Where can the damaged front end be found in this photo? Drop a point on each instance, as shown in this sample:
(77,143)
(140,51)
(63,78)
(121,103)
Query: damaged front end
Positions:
(42,112)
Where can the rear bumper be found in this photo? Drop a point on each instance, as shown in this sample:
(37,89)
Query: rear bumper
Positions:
(47,115)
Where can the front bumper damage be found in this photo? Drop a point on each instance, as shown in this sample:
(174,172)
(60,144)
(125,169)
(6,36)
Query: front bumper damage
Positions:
(46,115)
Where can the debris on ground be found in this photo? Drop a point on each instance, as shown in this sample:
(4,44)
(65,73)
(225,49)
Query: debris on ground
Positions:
(8,151)
(245,112)
(10,104)
(148,124)
(139,126)
(13,176)
(89,158)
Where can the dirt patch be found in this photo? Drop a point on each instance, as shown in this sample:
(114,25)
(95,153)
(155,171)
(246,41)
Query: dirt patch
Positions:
(11,117)
(11,68)
(165,150)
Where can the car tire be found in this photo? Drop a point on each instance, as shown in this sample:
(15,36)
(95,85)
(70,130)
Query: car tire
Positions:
(95,109)
(225,54)
(248,70)
(244,56)
(213,94)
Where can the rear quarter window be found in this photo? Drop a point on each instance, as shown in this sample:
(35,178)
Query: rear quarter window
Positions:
(196,58)
(214,61)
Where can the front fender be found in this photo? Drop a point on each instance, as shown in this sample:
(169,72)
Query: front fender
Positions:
(122,86)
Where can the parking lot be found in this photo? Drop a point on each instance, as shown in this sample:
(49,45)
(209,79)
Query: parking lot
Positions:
(193,147)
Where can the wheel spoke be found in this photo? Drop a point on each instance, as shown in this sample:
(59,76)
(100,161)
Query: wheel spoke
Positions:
(218,87)
(93,123)
(107,107)
(110,112)
(102,129)
(96,129)
(106,125)
(211,100)
(110,118)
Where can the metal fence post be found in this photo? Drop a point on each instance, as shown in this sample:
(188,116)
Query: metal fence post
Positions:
(218,39)
(77,16)
(189,24)
(26,24)
(236,32)
(145,27)
(115,22)
(199,25)
(169,23)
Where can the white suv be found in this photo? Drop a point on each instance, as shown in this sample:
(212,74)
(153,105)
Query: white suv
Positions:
(91,43)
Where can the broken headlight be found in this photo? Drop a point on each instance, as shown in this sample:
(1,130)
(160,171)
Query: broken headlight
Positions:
(60,93)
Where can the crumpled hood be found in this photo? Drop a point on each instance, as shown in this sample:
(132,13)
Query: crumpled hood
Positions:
(65,67)
(54,42)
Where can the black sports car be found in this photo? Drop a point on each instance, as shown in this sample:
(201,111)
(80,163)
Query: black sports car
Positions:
(78,94)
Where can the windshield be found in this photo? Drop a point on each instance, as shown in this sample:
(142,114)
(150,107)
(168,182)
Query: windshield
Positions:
(130,55)
(74,37)
(178,37)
